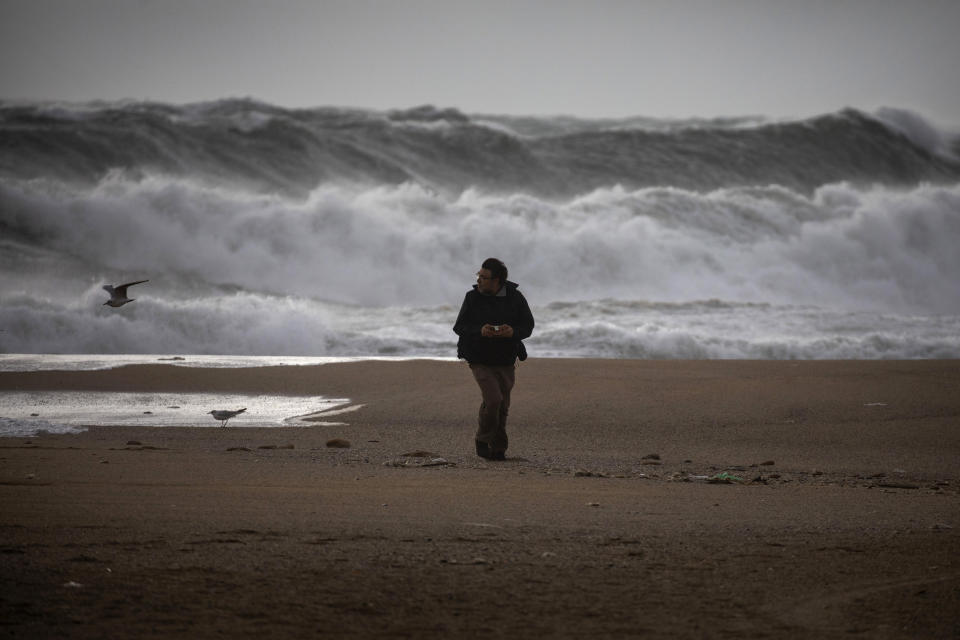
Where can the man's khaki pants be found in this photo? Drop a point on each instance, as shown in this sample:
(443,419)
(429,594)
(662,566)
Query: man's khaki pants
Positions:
(495,383)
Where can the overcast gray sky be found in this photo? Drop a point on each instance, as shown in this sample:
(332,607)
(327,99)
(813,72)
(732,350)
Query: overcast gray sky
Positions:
(667,58)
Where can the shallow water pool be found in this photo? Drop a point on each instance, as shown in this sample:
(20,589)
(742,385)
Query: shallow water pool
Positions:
(28,413)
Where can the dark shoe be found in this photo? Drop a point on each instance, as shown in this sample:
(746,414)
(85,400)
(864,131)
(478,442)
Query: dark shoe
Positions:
(483,449)
(498,455)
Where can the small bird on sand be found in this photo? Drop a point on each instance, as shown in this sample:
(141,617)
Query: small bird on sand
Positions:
(118,294)
(223,415)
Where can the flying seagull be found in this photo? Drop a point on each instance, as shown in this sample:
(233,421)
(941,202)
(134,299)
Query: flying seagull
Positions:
(118,294)
(224,415)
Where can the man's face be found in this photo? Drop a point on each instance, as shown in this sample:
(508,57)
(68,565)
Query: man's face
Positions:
(486,283)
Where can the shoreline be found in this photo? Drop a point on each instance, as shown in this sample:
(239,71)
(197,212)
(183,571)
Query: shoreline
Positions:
(841,521)
(617,408)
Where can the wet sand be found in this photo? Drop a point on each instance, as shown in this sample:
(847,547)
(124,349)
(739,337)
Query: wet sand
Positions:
(841,518)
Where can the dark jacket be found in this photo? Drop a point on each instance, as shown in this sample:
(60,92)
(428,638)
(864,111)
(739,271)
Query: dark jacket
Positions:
(477,310)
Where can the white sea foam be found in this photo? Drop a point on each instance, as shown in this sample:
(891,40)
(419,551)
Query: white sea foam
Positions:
(717,330)
(880,249)
(32,427)
(600,328)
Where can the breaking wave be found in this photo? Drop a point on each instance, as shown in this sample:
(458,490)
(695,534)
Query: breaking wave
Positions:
(331,232)
(294,151)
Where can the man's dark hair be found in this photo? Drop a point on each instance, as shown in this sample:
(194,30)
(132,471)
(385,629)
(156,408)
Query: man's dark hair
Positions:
(496,268)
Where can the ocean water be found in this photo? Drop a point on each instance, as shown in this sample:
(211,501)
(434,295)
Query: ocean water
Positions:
(335,233)
(94,362)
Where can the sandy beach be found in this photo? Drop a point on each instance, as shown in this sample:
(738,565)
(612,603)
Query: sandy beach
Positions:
(655,499)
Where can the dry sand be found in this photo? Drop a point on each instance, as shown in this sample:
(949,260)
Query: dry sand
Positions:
(846,523)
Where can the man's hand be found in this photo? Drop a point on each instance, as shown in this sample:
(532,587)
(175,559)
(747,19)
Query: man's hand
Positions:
(496,331)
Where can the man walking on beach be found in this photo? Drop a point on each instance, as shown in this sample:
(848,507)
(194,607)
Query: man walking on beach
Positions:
(493,319)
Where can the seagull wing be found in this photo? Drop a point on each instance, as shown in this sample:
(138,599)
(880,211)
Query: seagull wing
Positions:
(108,288)
(122,289)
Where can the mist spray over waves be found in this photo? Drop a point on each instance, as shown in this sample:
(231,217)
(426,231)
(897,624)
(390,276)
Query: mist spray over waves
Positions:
(920,132)
(879,249)
(366,265)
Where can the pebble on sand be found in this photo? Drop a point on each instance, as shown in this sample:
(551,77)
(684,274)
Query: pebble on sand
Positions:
(585,473)
(474,561)
(407,462)
(724,478)
(898,485)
